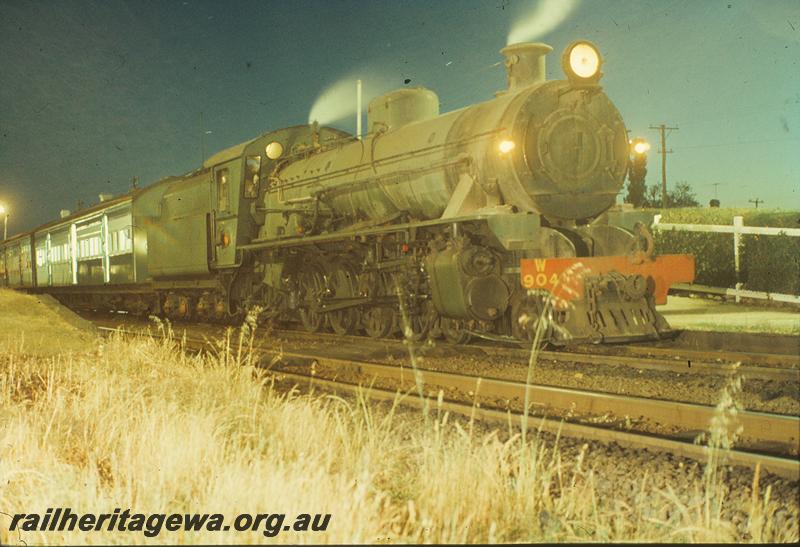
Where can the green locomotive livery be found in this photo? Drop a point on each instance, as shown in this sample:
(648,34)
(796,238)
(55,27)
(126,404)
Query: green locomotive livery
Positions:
(428,216)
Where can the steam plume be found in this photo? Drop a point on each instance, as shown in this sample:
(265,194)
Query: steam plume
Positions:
(338,100)
(543,18)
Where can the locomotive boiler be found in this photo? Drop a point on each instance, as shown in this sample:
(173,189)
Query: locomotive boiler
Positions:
(447,206)
(491,221)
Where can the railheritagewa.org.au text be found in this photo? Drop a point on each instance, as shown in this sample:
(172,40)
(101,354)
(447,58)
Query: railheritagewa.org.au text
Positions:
(62,519)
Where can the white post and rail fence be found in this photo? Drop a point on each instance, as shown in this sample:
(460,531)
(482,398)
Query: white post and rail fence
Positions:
(738,229)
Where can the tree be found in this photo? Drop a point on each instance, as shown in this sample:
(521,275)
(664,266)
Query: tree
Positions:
(636,185)
(652,197)
(683,196)
(680,196)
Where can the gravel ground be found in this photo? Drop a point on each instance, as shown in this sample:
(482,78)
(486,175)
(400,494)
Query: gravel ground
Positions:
(757,394)
(691,387)
(620,473)
(643,479)
(632,422)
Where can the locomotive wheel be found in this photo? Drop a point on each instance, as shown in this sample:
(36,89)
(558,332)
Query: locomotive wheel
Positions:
(343,283)
(311,286)
(236,314)
(184,309)
(178,306)
(421,322)
(455,330)
(219,309)
(378,321)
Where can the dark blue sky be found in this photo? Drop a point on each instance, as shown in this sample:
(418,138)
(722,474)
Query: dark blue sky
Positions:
(95,92)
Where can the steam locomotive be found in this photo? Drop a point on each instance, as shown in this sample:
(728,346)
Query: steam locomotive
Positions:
(494,220)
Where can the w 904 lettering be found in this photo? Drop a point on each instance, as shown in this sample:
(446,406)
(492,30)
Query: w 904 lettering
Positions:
(567,276)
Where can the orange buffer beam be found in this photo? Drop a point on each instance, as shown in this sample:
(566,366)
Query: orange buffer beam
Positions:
(561,276)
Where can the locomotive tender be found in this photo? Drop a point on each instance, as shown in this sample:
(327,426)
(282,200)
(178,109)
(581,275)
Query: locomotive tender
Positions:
(464,223)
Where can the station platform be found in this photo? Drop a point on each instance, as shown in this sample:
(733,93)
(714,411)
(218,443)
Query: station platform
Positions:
(705,314)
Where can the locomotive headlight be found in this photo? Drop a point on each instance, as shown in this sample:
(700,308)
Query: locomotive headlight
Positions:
(506,146)
(274,150)
(640,146)
(581,62)
(584,60)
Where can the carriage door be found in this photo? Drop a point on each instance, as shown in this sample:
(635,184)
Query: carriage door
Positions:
(226,204)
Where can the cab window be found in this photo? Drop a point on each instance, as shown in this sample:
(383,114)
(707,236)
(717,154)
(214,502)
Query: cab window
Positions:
(223,193)
(252,176)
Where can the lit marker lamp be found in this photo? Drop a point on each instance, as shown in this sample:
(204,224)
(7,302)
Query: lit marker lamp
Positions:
(506,146)
(640,147)
(581,62)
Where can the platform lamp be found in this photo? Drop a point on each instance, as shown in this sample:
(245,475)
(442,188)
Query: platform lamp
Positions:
(4,212)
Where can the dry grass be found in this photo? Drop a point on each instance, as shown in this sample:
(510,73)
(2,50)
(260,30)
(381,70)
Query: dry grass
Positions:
(38,325)
(139,424)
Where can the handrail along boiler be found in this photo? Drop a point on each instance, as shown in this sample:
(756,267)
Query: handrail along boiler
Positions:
(465,223)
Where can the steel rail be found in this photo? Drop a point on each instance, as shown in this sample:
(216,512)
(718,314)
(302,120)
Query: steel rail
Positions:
(680,362)
(775,430)
(778,432)
(776,360)
(785,467)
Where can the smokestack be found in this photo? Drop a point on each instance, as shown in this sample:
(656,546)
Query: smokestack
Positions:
(525,64)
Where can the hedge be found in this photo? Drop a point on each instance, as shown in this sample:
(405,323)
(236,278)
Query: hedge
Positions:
(768,263)
(715,215)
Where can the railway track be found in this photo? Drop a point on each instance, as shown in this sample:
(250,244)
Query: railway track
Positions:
(780,367)
(768,440)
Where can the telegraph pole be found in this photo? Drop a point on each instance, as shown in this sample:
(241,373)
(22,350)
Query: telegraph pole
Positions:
(715,184)
(663,130)
(756,201)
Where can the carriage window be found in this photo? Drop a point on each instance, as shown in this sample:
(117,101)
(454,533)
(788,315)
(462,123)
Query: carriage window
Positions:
(223,196)
(125,243)
(251,177)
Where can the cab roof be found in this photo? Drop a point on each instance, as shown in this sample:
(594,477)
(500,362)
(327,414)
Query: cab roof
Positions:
(228,154)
